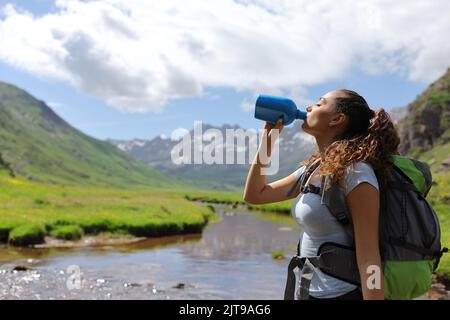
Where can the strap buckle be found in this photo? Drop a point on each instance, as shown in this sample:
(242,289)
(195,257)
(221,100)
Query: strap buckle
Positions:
(311,188)
(342,217)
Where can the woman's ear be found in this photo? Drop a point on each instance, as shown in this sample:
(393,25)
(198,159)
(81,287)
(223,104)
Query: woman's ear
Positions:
(338,119)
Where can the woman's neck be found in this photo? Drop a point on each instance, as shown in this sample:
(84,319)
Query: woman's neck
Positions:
(323,143)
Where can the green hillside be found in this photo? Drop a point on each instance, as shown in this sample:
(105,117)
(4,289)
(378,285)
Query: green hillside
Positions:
(37,144)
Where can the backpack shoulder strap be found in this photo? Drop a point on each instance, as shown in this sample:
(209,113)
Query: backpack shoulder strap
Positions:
(331,197)
(304,176)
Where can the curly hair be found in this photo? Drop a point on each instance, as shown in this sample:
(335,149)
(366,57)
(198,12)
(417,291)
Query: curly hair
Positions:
(369,136)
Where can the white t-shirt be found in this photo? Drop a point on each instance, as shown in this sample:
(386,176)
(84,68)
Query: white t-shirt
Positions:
(318,225)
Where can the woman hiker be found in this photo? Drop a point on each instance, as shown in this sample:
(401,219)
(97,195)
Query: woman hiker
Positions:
(353,142)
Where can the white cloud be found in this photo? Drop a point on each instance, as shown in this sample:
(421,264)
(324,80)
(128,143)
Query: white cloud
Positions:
(136,55)
(247,106)
(299,96)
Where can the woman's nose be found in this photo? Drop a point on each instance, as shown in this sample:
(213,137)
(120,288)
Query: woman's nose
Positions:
(308,109)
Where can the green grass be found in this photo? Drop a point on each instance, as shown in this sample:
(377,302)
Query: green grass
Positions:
(434,157)
(215,197)
(65,210)
(236,198)
(69,232)
(27,234)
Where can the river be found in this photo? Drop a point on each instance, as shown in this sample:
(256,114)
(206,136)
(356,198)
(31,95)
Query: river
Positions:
(230,259)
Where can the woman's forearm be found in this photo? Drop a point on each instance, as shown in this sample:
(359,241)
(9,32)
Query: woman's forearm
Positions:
(256,181)
(372,279)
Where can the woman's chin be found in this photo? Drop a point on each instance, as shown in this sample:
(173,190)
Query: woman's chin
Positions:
(307,130)
(304,127)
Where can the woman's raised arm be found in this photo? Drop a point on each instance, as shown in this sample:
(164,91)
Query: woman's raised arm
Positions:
(256,190)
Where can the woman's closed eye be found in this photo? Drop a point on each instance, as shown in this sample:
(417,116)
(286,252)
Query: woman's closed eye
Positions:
(320,102)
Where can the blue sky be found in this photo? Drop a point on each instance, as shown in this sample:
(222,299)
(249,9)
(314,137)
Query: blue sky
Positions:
(212,93)
(92,116)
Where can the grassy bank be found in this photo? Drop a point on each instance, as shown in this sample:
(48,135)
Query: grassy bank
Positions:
(30,211)
(235,198)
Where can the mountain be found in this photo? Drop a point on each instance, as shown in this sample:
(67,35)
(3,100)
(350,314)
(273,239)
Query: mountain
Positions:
(425,130)
(397,114)
(294,146)
(427,121)
(37,144)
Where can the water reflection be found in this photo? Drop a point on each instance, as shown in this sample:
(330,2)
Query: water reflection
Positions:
(239,235)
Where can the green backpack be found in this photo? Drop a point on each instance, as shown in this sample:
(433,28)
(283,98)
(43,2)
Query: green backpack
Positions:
(409,234)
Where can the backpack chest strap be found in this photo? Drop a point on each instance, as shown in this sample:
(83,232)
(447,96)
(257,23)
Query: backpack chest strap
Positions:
(311,189)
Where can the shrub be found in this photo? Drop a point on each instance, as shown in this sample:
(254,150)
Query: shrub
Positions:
(28,234)
(69,232)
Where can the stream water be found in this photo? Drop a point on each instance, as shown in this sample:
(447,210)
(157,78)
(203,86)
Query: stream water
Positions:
(230,259)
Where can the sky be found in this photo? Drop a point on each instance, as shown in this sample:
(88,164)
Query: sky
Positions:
(139,69)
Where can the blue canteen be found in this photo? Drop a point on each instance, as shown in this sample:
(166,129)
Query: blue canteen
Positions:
(271,108)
